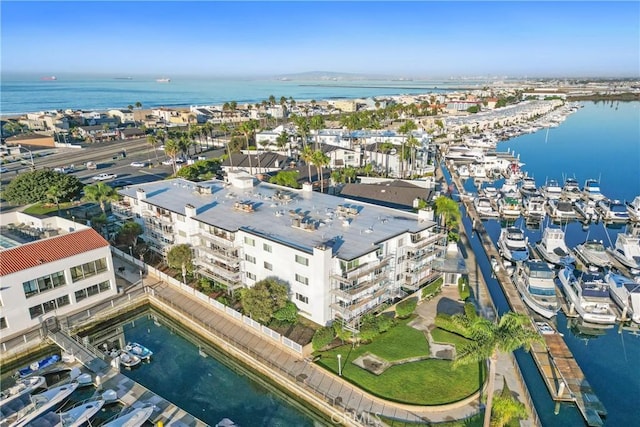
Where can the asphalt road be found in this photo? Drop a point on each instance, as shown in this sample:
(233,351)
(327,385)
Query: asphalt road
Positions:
(107,156)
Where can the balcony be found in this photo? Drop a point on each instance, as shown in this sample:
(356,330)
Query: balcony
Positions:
(230,273)
(362,270)
(226,255)
(413,280)
(421,242)
(219,239)
(359,308)
(361,290)
(122,210)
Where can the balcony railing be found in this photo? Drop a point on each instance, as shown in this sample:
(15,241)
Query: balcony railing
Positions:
(229,272)
(228,255)
(361,290)
(362,270)
(229,283)
(421,242)
(358,308)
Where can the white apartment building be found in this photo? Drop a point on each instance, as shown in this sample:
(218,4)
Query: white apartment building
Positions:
(69,269)
(340,258)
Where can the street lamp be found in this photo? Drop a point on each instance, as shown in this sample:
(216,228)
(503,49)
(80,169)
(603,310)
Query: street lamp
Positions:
(339,365)
(130,251)
(33,166)
(73,218)
(184,274)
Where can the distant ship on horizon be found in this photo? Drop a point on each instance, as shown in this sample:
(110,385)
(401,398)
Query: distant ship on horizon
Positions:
(123,78)
(49,78)
(163,80)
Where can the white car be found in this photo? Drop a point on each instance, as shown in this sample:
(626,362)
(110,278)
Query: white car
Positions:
(139,164)
(104,177)
(169,162)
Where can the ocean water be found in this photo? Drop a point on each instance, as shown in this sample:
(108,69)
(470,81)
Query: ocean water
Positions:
(29,93)
(601,141)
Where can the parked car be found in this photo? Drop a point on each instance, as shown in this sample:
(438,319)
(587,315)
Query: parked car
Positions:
(169,162)
(65,169)
(104,177)
(91,165)
(120,183)
(139,164)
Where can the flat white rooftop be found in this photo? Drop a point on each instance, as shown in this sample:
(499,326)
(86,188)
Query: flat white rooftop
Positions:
(350,227)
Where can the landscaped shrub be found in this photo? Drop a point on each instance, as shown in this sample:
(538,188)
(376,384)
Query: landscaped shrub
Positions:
(432,288)
(443,321)
(463,288)
(405,308)
(368,332)
(385,323)
(470,311)
(342,333)
(322,338)
(288,313)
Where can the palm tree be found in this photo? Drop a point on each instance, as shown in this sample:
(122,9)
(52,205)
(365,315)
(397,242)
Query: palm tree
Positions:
(450,211)
(153,141)
(282,140)
(100,193)
(406,129)
(511,332)
(413,144)
(138,104)
(54,193)
(386,148)
(172,148)
(307,155)
(302,123)
(316,123)
(247,128)
(320,160)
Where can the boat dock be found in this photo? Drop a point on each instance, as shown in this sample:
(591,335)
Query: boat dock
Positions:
(564,379)
(129,393)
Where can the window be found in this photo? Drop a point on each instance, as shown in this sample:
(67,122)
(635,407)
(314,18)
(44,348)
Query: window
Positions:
(268,266)
(182,233)
(83,271)
(266,247)
(180,217)
(349,265)
(3,323)
(302,279)
(302,298)
(35,311)
(92,290)
(251,276)
(44,283)
(302,260)
(249,241)
(250,258)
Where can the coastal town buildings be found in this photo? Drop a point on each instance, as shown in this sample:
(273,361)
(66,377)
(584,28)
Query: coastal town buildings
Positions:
(50,267)
(340,258)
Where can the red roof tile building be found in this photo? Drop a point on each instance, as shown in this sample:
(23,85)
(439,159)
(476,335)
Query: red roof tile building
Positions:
(56,276)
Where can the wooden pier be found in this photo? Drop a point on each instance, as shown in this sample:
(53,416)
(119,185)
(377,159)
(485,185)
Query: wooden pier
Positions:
(564,379)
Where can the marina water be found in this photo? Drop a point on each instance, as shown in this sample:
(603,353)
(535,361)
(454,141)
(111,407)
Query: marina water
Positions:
(601,141)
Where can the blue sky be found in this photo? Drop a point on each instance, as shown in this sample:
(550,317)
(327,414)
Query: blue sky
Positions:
(429,39)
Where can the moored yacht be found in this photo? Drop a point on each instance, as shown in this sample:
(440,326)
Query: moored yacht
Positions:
(626,294)
(633,208)
(571,189)
(131,418)
(588,296)
(535,283)
(553,248)
(591,190)
(512,243)
(613,210)
(20,388)
(529,188)
(551,189)
(627,250)
(42,403)
(593,252)
(484,207)
(561,210)
(509,207)
(533,207)
(587,210)
(510,189)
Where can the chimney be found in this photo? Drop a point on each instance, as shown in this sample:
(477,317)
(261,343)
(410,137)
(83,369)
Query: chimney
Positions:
(140,193)
(307,187)
(426,214)
(189,210)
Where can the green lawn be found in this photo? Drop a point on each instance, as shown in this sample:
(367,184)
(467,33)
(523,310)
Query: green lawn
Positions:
(46,208)
(426,382)
(442,336)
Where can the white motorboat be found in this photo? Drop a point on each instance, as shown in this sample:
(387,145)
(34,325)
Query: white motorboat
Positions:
(81,413)
(535,283)
(512,243)
(544,328)
(484,207)
(627,250)
(613,210)
(41,404)
(588,296)
(21,387)
(591,190)
(553,248)
(510,189)
(124,358)
(529,188)
(509,207)
(561,209)
(533,207)
(226,422)
(551,189)
(462,153)
(571,189)
(131,418)
(625,292)
(633,208)
(139,350)
(587,210)
(593,252)
(489,192)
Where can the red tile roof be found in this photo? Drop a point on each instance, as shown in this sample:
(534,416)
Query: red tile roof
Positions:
(49,250)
